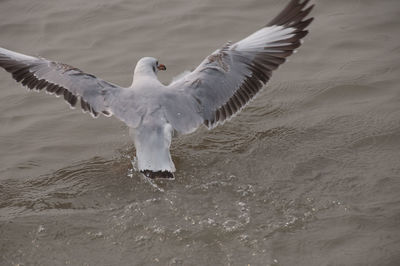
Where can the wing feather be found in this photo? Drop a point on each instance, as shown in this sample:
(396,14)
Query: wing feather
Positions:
(227,80)
(60,79)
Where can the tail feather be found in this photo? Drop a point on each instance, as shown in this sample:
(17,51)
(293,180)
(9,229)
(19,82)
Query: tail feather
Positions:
(158,174)
(152,142)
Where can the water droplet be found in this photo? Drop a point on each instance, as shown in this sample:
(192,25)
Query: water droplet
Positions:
(41,229)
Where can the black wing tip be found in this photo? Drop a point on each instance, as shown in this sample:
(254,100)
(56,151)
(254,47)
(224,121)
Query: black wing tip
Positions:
(22,73)
(293,15)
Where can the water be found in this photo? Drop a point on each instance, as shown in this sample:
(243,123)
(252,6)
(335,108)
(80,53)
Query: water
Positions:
(308,174)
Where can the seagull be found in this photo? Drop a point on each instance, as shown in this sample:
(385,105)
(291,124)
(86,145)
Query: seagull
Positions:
(221,86)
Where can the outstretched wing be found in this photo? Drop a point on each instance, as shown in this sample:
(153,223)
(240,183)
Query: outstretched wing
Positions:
(94,94)
(233,75)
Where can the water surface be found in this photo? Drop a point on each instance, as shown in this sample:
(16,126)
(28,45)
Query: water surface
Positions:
(308,174)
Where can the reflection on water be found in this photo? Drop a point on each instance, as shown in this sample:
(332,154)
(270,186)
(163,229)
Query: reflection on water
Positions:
(305,175)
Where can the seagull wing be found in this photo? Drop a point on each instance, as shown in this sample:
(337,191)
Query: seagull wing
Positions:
(95,95)
(233,75)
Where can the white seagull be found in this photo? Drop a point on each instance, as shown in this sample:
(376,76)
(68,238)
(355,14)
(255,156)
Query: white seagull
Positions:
(221,86)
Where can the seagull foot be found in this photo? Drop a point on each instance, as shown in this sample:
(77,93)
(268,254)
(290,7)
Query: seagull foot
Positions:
(158,174)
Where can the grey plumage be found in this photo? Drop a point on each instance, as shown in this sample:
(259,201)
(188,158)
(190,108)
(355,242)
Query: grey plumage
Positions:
(222,85)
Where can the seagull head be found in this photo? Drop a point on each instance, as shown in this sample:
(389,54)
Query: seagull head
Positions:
(148,65)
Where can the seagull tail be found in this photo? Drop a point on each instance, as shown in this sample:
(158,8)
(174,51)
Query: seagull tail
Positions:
(152,144)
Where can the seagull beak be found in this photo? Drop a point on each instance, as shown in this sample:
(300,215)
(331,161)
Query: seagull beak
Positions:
(161,67)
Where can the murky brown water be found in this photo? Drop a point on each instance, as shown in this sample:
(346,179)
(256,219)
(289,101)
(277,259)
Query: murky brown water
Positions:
(308,174)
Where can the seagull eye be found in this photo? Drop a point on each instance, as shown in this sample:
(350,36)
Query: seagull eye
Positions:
(154,68)
(156,63)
